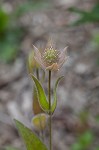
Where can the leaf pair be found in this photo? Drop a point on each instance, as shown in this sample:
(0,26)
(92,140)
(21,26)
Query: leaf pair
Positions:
(42,97)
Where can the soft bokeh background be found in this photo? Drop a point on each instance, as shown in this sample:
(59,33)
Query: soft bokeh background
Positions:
(68,22)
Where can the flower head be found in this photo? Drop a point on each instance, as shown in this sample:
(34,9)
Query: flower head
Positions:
(50,58)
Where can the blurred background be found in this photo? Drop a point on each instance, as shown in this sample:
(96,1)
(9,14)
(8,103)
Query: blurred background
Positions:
(70,23)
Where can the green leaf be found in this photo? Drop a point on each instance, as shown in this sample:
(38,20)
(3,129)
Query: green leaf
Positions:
(53,107)
(41,94)
(31,140)
(36,106)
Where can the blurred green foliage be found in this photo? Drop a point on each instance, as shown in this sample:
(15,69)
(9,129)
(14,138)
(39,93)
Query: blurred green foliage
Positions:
(95,42)
(91,16)
(4,21)
(83,141)
(10,148)
(97,118)
(10,36)
(83,115)
(86,16)
(31,6)
(11,32)
(97,148)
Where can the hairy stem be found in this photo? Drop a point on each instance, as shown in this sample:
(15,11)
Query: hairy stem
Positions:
(50,118)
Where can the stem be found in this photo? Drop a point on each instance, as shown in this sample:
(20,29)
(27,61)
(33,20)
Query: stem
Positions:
(50,117)
(37,73)
(41,132)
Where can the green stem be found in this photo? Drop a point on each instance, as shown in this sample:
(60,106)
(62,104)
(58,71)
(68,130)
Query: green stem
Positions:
(50,117)
(41,132)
